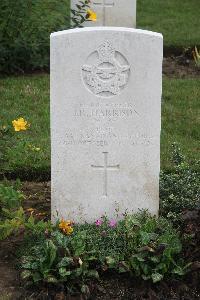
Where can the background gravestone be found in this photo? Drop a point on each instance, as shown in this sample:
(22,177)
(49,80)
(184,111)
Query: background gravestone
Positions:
(105,122)
(119,13)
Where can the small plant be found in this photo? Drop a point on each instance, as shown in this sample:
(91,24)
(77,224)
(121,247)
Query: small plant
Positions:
(139,244)
(11,212)
(152,248)
(82,14)
(179,190)
(10,196)
(196,55)
(16,146)
(36,228)
(56,261)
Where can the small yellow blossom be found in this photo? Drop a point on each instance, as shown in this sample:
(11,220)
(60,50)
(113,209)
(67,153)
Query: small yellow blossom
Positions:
(66,226)
(91,15)
(80,261)
(20,124)
(30,209)
(41,214)
(32,147)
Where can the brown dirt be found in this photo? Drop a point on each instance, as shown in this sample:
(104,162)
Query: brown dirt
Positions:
(180,67)
(111,286)
(37,197)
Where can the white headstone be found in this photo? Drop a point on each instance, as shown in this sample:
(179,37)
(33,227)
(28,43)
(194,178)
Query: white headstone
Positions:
(105,122)
(119,13)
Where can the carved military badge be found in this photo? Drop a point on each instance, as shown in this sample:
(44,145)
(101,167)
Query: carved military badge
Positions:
(106,71)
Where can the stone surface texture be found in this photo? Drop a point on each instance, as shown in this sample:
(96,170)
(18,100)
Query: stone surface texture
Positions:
(106,86)
(118,13)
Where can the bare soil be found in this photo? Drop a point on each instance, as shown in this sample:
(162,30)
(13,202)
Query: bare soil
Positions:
(180,67)
(111,286)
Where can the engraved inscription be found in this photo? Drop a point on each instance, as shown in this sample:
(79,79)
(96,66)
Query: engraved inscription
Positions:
(105,168)
(102,137)
(109,111)
(106,71)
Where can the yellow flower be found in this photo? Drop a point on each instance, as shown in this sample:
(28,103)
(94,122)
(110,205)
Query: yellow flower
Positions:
(20,124)
(66,226)
(30,209)
(91,15)
(32,147)
(41,214)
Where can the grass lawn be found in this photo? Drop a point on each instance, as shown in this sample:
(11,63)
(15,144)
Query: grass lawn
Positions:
(178,20)
(28,96)
(180,118)
(26,26)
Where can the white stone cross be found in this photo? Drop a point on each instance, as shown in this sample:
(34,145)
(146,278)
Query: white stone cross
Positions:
(104,4)
(105,168)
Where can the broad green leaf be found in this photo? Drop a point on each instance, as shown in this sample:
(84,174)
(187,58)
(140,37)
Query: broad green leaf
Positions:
(93,274)
(156,277)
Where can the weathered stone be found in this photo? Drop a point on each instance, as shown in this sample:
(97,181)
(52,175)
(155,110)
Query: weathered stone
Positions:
(105,122)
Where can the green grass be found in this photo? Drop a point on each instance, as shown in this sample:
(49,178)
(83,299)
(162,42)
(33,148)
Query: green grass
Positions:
(26,97)
(178,20)
(25,27)
(180,118)
(29,97)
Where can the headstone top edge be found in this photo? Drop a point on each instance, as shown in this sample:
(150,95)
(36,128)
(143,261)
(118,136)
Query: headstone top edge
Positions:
(106,29)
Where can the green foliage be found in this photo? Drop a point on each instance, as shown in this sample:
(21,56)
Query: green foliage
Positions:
(12,216)
(37,228)
(10,196)
(25,27)
(179,190)
(139,244)
(11,212)
(11,223)
(51,261)
(79,15)
(152,246)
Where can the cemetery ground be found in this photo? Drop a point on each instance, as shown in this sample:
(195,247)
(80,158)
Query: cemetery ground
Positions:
(28,96)
(26,155)
(177,20)
(111,285)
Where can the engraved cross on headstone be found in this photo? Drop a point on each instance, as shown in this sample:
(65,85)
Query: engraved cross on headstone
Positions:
(106,168)
(104,4)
